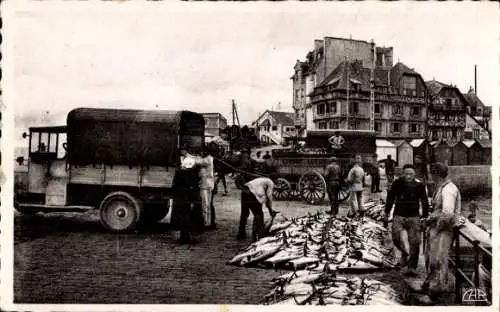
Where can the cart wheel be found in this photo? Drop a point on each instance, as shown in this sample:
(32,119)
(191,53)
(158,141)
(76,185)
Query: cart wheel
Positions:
(312,187)
(282,189)
(343,193)
(120,212)
(295,193)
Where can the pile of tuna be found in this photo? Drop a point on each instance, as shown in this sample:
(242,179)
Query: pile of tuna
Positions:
(343,244)
(317,248)
(375,210)
(319,286)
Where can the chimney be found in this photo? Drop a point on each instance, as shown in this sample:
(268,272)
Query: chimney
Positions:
(475,79)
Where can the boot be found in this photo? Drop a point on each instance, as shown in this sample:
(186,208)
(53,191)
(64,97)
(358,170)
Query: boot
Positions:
(258,227)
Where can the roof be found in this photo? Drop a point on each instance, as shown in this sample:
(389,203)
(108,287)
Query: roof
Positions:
(417,142)
(484,143)
(435,87)
(398,70)
(469,143)
(213,114)
(129,115)
(399,142)
(473,99)
(283,118)
(52,129)
(354,70)
(362,75)
(384,143)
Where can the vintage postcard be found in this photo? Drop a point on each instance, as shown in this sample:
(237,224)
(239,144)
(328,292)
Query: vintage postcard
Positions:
(219,155)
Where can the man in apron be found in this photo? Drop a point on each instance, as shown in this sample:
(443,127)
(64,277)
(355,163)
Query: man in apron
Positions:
(446,204)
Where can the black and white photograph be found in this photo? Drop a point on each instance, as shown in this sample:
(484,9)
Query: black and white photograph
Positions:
(258,154)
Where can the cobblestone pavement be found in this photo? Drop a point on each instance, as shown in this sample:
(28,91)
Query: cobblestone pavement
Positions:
(69,258)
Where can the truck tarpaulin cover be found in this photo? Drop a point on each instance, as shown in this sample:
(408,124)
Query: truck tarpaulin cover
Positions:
(355,141)
(130,137)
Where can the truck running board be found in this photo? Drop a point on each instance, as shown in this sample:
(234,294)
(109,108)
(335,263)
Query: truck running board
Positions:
(52,208)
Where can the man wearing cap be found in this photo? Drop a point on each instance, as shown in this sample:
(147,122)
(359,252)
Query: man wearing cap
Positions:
(332,175)
(268,167)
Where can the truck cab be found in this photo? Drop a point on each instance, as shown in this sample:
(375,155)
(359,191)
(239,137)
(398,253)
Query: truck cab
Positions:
(46,178)
(122,162)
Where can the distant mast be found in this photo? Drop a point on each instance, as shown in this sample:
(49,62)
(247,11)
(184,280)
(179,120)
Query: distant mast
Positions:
(475,79)
(348,85)
(372,91)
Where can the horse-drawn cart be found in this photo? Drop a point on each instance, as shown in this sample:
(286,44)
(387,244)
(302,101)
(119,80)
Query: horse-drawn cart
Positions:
(301,170)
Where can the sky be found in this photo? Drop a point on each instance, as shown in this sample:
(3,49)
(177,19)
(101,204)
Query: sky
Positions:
(200,56)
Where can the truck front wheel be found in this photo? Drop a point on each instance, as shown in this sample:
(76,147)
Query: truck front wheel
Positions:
(120,212)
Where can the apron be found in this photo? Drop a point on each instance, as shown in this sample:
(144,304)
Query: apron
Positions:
(439,237)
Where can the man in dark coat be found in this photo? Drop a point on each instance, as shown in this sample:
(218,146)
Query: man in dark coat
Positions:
(389,165)
(186,202)
(407,194)
(333,176)
(373,171)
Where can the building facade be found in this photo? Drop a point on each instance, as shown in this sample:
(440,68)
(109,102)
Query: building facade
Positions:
(273,127)
(326,56)
(474,130)
(342,100)
(478,110)
(214,124)
(446,120)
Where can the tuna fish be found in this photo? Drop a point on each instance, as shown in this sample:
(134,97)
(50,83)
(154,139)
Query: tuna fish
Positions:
(261,254)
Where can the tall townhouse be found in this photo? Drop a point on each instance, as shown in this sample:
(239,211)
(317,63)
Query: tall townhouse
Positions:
(446,119)
(342,100)
(319,63)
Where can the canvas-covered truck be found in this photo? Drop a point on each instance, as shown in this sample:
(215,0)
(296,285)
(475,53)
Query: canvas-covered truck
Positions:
(121,162)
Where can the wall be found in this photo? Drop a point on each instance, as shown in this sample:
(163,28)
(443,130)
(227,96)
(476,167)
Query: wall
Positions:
(214,123)
(337,49)
(471,179)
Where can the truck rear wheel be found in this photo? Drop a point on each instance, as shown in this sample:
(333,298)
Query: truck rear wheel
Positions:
(120,212)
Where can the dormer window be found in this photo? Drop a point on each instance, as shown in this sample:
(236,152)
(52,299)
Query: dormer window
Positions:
(410,85)
(449,103)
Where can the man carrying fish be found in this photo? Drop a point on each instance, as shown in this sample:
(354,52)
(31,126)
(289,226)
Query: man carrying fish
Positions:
(333,175)
(406,194)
